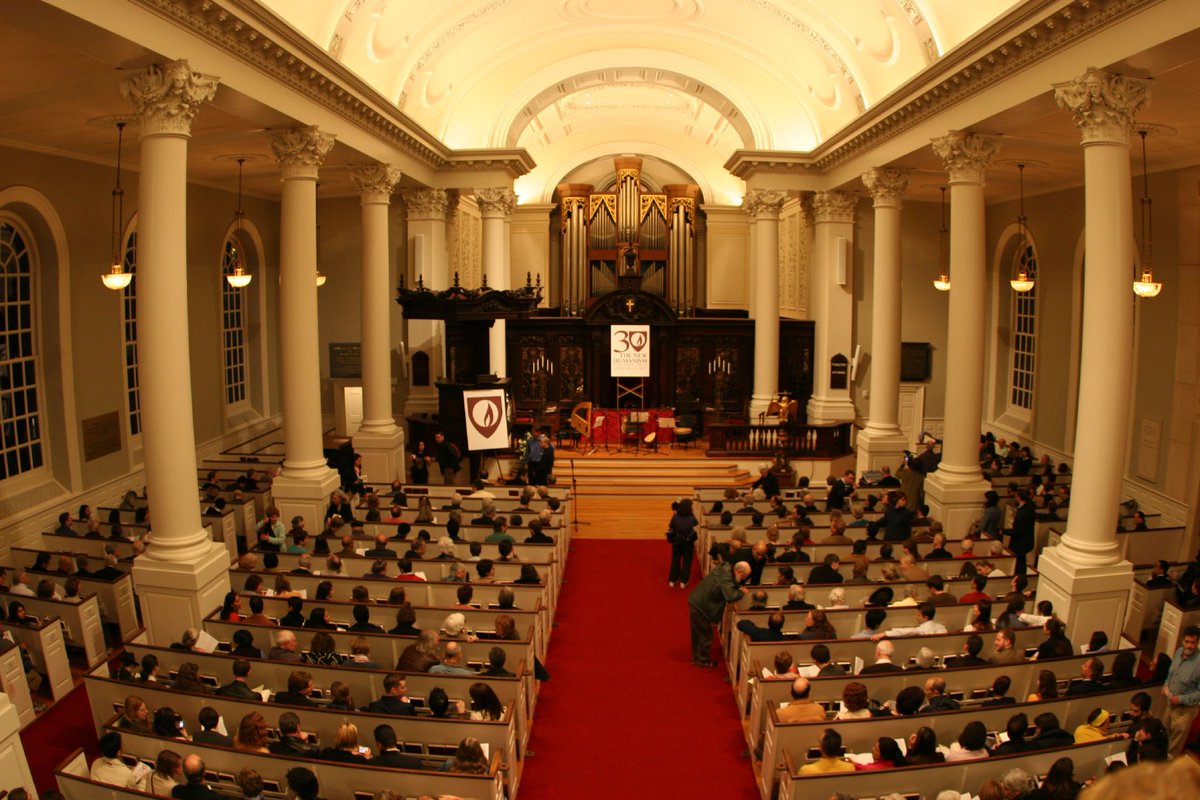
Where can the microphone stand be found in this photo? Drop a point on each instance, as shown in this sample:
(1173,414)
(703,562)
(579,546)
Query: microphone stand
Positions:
(575,500)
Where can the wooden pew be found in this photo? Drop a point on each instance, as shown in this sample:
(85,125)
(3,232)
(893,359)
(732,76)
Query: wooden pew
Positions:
(500,736)
(82,621)
(971,682)
(14,683)
(57,542)
(48,650)
(946,567)
(927,781)
(115,596)
(365,684)
(386,649)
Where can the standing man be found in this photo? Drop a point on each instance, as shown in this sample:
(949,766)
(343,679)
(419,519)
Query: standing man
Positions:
(533,459)
(1182,690)
(449,458)
(1021,535)
(706,603)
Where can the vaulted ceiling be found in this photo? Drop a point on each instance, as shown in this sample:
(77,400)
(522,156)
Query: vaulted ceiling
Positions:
(688,81)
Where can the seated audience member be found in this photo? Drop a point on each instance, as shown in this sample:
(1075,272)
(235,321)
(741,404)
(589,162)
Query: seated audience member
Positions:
(360,654)
(831,756)
(971,650)
(285,647)
(1149,741)
(971,743)
(362,621)
(998,694)
(295,616)
(421,654)
(1056,644)
(923,748)
(823,661)
(772,633)
(1016,729)
(1123,666)
(1045,689)
(1060,783)
(496,661)
(135,716)
(1092,670)
(784,665)
(468,758)
(801,708)
(795,601)
(1049,734)
(1004,649)
(485,704)
(926,624)
(977,593)
(318,619)
(936,698)
(169,724)
(883,660)
(299,690)
(395,697)
(389,754)
(818,626)
(252,733)
(924,661)
(167,774)
(854,702)
(322,650)
(346,748)
(886,754)
(239,686)
(873,619)
(1095,727)
(302,782)
(194,787)
(292,741)
(243,645)
(187,679)
(109,768)
(1098,643)
(451,663)
(938,595)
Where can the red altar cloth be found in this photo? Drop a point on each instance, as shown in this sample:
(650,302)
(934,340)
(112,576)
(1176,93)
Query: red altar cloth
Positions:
(608,424)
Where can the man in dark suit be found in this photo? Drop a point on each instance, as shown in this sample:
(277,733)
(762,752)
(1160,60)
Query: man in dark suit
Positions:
(971,650)
(1158,575)
(381,550)
(389,754)
(823,661)
(299,689)
(110,572)
(496,660)
(827,571)
(239,686)
(767,481)
(195,788)
(291,742)
(1017,727)
(796,601)
(1021,535)
(394,700)
(772,633)
(1091,670)
(362,621)
(897,519)
(208,734)
(883,660)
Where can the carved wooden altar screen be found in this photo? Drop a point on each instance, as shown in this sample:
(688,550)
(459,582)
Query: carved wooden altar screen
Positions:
(628,237)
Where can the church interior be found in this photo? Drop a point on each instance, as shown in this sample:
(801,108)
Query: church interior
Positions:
(270,237)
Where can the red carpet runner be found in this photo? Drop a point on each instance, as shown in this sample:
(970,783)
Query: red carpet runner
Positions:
(53,737)
(624,710)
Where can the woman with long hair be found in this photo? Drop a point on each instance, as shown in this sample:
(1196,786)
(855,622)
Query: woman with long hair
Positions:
(135,716)
(1047,687)
(252,733)
(981,618)
(886,754)
(467,758)
(187,679)
(506,627)
(818,626)
(168,773)
(993,515)
(485,704)
(681,533)
(231,607)
(168,723)
(923,748)
(1010,619)
(1056,644)
(425,511)
(149,669)
(1060,783)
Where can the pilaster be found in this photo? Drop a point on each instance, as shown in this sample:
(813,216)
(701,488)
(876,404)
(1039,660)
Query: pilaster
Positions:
(426,211)
(832,303)
(764,206)
(496,206)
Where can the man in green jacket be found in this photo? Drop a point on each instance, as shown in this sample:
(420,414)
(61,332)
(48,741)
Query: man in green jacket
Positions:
(706,603)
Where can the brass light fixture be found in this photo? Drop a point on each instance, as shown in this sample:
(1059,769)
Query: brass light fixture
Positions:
(1146,286)
(117,278)
(238,278)
(1023,281)
(320,278)
(942,282)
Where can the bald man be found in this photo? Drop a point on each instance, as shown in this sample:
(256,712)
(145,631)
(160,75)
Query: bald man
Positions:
(802,708)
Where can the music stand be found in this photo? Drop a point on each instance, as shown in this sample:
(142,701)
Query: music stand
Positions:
(632,426)
(665,423)
(598,422)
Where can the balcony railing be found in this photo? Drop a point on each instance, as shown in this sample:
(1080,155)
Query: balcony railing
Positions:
(796,439)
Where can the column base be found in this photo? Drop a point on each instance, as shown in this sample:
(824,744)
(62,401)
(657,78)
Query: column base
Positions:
(956,501)
(176,595)
(1087,598)
(305,496)
(880,448)
(824,410)
(382,453)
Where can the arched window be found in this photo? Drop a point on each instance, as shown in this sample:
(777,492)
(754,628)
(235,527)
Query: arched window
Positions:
(1023,353)
(129,337)
(233,327)
(21,447)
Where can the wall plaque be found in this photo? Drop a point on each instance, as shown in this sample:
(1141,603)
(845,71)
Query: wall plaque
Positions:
(345,360)
(916,361)
(839,372)
(101,435)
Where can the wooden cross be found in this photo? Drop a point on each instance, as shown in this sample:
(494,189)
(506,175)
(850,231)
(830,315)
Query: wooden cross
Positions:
(629,304)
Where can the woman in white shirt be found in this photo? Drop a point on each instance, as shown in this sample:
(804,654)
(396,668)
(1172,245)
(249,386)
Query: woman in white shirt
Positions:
(971,744)
(854,702)
(168,770)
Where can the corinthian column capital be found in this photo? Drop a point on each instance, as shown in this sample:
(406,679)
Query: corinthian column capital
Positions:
(886,184)
(764,203)
(167,97)
(834,207)
(966,155)
(426,203)
(496,200)
(301,151)
(1104,104)
(375,182)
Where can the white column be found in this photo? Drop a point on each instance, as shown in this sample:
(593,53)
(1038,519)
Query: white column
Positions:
(378,440)
(495,206)
(1085,576)
(832,303)
(882,442)
(184,573)
(763,206)
(305,482)
(426,210)
(955,491)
